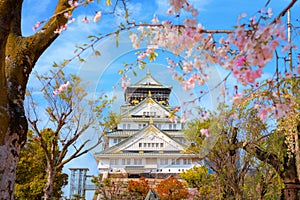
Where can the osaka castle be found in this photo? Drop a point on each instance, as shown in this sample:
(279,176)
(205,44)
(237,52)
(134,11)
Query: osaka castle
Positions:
(148,140)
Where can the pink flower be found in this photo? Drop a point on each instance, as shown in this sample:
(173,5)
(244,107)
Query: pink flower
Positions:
(170,11)
(269,12)
(125,82)
(189,84)
(85,20)
(37,25)
(61,88)
(142,56)
(298,69)
(288,74)
(204,132)
(263,113)
(97,16)
(60,29)
(240,61)
(73,3)
(155,20)
(237,98)
(281,110)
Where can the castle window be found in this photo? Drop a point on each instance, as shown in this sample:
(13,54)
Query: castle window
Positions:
(114,161)
(140,145)
(161,145)
(173,161)
(186,161)
(137,161)
(164,161)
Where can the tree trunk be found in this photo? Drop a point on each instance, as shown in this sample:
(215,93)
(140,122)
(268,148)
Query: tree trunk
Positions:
(14,123)
(18,55)
(291,181)
(48,189)
(290,191)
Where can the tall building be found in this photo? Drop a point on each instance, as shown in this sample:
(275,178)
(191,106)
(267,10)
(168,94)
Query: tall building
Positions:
(148,141)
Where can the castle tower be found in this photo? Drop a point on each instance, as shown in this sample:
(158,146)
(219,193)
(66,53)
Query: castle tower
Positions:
(148,141)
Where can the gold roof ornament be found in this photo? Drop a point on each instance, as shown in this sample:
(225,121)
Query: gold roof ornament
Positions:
(149,94)
(150,120)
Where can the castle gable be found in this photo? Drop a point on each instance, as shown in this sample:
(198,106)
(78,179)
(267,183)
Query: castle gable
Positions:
(149,108)
(148,139)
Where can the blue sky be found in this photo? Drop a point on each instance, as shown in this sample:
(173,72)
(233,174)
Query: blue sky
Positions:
(102,71)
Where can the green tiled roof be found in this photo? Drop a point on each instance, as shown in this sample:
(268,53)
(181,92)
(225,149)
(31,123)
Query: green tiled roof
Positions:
(155,155)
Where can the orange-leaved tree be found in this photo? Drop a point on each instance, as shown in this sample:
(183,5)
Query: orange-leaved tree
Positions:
(172,188)
(138,189)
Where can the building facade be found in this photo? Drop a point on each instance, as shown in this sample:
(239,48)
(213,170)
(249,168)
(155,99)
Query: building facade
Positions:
(148,141)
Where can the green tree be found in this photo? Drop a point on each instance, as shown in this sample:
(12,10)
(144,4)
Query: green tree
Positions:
(198,177)
(19,54)
(71,117)
(279,147)
(109,188)
(31,173)
(231,166)
(23,53)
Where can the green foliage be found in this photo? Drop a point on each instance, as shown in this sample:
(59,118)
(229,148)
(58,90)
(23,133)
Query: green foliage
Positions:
(70,113)
(236,174)
(31,171)
(198,177)
(109,188)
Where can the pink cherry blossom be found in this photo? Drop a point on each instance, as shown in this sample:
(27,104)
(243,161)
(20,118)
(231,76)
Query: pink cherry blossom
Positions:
(298,69)
(204,132)
(155,20)
(97,16)
(270,12)
(61,88)
(125,82)
(263,113)
(60,29)
(288,74)
(281,110)
(170,11)
(73,3)
(240,61)
(237,98)
(142,56)
(37,25)
(85,20)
